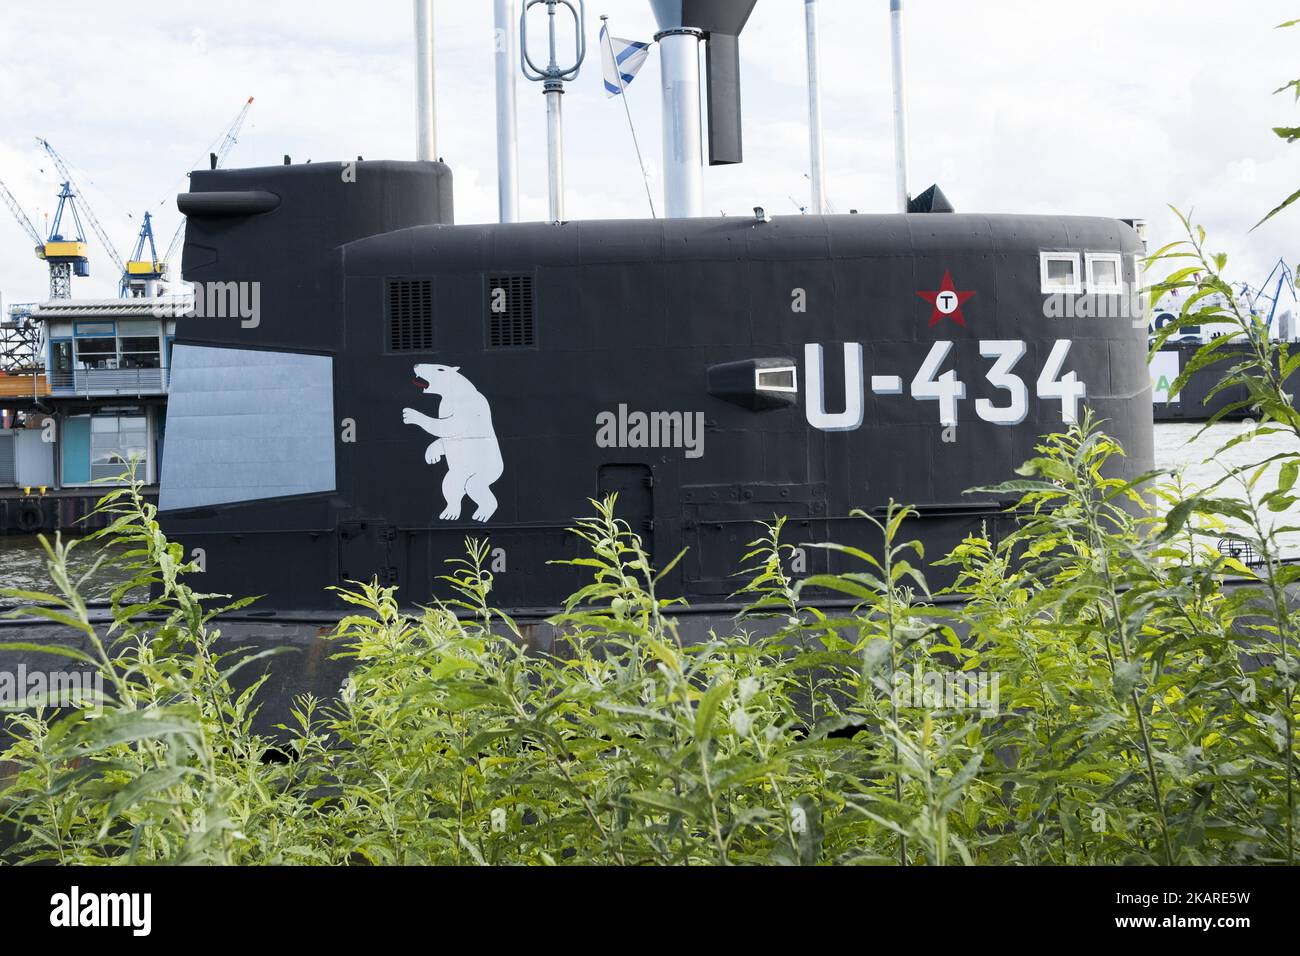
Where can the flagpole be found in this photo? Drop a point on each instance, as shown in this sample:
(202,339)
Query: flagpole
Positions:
(622,92)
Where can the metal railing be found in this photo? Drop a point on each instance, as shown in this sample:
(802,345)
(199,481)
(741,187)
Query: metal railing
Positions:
(109,381)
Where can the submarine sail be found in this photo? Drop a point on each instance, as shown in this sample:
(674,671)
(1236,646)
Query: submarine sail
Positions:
(407,383)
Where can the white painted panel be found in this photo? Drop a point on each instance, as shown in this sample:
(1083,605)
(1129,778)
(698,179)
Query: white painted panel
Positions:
(244,425)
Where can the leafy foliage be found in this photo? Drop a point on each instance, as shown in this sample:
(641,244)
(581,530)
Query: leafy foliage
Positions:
(1143,712)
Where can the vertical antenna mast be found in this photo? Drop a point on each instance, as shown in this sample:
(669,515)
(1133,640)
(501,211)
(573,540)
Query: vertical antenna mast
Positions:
(900,103)
(679,57)
(553,79)
(817,157)
(426,146)
(507,146)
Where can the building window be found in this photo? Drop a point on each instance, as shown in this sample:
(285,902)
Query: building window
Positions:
(61,355)
(135,345)
(96,353)
(139,352)
(115,442)
(1104,272)
(1059,272)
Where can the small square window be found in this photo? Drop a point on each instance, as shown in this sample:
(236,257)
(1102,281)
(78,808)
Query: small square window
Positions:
(1059,272)
(781,379)
(1104,273)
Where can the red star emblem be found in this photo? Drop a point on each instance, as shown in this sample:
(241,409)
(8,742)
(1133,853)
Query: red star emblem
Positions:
(947,301)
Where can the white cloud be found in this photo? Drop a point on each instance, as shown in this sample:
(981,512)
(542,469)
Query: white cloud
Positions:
(1117,107)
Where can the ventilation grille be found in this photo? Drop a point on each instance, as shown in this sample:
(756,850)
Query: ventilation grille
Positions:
(510,312)
(410,315)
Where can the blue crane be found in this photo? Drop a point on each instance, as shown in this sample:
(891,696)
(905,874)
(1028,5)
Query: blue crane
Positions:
(69,190)
(1279,286)
(65,256)
(139,270)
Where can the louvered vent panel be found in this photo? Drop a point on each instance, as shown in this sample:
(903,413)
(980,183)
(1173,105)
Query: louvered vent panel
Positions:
(410,315)
(510,312)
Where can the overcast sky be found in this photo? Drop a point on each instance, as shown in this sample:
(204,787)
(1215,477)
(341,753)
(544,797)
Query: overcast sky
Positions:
(1113,107)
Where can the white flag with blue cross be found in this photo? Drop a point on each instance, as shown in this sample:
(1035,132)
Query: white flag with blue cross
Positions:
(622,59)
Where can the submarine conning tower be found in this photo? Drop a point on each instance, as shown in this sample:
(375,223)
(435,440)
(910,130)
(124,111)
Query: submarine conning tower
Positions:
(280,226)
(409,389)
(251,412)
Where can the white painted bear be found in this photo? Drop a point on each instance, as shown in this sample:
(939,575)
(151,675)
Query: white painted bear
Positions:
(463,434)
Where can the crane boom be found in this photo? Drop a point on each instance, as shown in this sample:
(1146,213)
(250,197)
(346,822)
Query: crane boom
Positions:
(65,257)
(232,133)
(85,206)
(228,141)
(21,216)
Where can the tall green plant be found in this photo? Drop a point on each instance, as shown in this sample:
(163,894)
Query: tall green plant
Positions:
(1262,367)
(1126,727)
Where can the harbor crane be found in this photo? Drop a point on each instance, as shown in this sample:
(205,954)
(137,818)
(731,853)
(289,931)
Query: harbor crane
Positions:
(140,272)
(22,218)
(71,189)
(1265,300)
(65,256)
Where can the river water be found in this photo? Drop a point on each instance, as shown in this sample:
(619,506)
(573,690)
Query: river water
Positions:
(23,565)
(22,560)
(1178,447)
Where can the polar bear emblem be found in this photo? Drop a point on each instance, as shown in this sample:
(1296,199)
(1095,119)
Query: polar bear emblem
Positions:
(463,434)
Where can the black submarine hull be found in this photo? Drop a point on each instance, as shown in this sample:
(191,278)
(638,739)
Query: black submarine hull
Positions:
(714,373)
(1201,398)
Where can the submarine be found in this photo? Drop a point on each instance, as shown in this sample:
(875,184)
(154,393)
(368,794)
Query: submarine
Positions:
(410,382)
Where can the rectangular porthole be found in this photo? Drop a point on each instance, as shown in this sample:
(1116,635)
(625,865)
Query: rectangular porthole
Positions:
(776,379)
(1104,272)
(1059,272)
(510,312)
(410,315)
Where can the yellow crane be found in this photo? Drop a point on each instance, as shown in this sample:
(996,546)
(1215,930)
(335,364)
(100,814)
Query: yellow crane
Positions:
(66,256)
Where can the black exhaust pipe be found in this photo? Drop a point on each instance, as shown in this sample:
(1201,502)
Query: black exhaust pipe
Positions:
(721,22)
